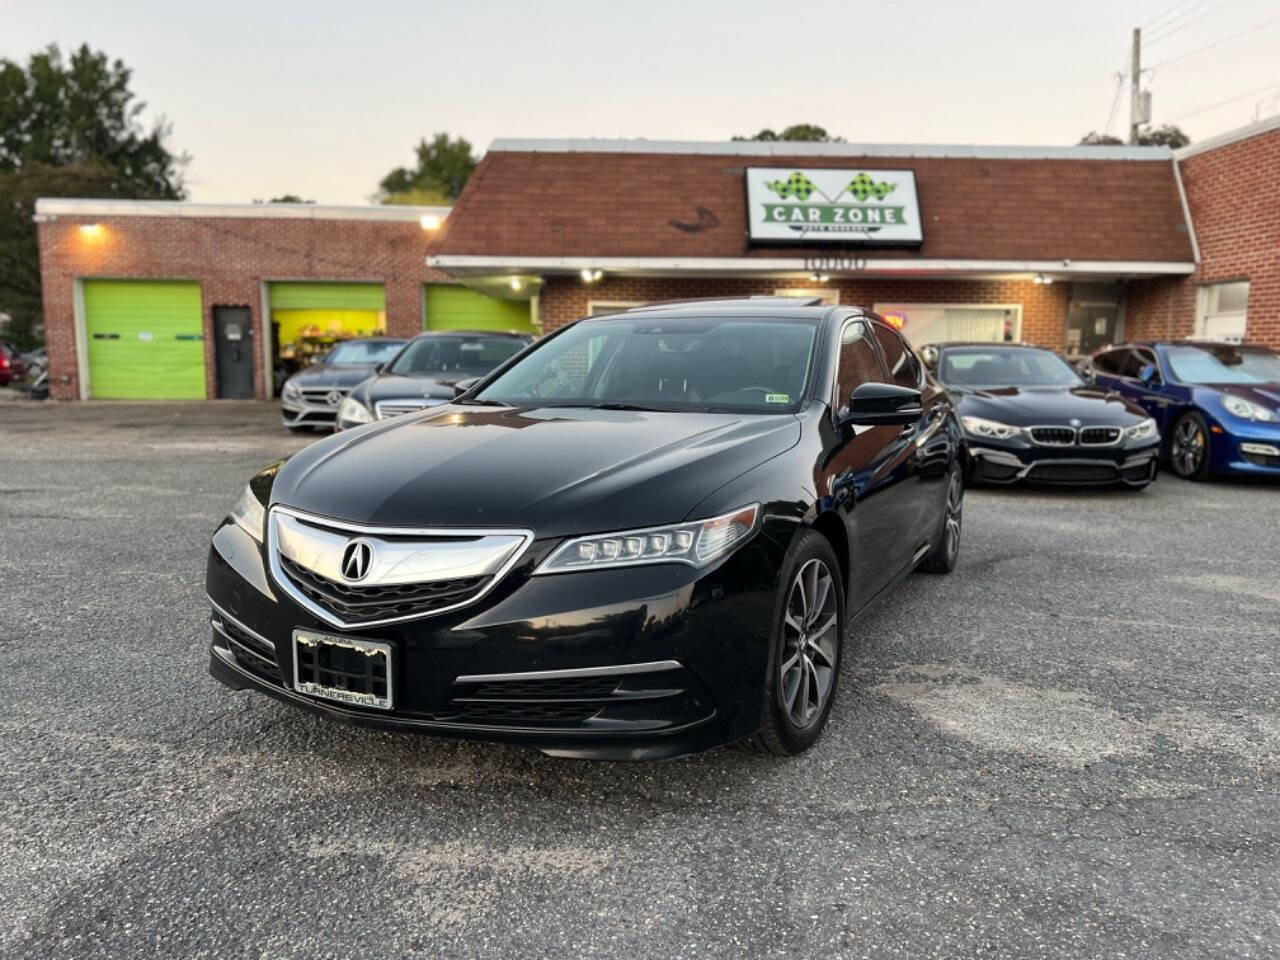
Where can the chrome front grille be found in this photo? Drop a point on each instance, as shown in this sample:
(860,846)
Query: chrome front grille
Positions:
(357,603)
(403,573)
(327,398)
(1099,436)
(395,408)
(1055,436)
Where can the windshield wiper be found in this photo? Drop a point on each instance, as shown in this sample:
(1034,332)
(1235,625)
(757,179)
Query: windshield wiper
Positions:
(608,405)
(477,402)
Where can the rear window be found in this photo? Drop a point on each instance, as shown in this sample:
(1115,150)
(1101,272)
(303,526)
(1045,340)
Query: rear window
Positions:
(469,355)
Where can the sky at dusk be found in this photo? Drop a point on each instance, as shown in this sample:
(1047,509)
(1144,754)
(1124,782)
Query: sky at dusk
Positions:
(322,99)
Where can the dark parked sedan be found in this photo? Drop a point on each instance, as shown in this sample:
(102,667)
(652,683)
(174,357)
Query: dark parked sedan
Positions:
(311,397)
(1027,415)
(1217,404)
(427,373)
(646,535)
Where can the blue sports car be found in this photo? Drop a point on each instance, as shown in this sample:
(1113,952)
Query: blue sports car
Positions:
(1217,404)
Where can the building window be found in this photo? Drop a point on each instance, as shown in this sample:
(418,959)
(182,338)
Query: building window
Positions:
(597,307)
(830,295)
(1221,309)
(923,323)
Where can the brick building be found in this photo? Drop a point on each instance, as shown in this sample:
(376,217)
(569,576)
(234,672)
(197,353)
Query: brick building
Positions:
(1067,247)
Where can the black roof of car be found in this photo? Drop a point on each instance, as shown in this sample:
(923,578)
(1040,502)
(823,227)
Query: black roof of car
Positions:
(773,308)
(947,345)
(509,334)
(1207,344)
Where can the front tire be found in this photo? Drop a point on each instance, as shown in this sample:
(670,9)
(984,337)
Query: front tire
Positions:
(946,550)
(808,638)
(1189,447)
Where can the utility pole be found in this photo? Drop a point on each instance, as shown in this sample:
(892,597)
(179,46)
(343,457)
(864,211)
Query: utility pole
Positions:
(1135,96)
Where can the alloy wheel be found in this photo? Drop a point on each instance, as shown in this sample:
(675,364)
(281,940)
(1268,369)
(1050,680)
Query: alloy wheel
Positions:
(810,639)
(955,510)
(1188,447)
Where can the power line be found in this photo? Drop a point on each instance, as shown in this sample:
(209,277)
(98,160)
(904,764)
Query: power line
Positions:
(1216,43)
(1222,103)
(1172,23)
(1151,23)
(1186,23)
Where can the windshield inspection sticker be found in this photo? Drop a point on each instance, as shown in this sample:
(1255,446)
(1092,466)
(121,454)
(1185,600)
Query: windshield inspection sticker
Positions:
(777,398)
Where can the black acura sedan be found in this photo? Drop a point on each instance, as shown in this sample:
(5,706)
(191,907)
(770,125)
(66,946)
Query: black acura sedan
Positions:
(427,373)
(1027,415)
(646,535)
(312,396)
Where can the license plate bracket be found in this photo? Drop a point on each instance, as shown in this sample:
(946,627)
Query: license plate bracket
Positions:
(348,670)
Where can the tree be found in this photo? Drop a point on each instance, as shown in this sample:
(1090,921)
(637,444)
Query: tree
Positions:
(443,168)
(1165,136)
(69,128)
(286,198)
(797,132)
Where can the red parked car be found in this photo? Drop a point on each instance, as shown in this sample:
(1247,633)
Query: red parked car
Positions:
(13,369)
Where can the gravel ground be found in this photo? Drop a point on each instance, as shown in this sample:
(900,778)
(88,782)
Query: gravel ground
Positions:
(1069,747)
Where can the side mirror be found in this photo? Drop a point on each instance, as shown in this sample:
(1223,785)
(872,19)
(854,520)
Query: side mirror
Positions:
(462,386)
(929,355)
(1149,374)
(379,367)
(881,404)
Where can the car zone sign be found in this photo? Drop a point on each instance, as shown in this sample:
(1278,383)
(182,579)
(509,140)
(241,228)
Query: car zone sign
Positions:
(833,206)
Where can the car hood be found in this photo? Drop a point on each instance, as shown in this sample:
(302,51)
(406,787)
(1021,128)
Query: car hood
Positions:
(1033,406)
(332,375)
(558,471)
(391,386)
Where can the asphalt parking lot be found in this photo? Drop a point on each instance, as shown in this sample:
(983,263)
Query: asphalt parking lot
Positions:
(1069,747)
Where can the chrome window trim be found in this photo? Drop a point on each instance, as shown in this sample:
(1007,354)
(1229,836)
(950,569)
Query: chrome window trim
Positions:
(653,666)
(297,596)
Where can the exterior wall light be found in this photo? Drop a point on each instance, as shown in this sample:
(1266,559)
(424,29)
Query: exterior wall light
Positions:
(91,229)
(430,221)
(517,284)
(591,276)
(1042,279)
(817,277)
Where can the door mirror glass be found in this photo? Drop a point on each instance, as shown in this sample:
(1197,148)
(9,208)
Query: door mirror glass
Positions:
(379,367)
(1149,374)
(880,404)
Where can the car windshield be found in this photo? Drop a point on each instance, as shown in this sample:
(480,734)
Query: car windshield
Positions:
(684,364)
(1223,364)
(464,356)
(364,351)
(1005,367)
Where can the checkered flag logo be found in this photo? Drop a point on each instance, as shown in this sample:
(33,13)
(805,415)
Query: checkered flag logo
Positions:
(863,187)
(797,185)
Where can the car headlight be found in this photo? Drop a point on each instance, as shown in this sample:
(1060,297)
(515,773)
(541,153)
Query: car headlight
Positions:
(989,429)
(1247,409)
(1142,431)
(291,390)
(696,543)
(248,514)
(353,411)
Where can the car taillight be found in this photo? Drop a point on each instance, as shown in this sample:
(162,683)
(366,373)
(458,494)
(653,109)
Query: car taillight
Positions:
(4,362)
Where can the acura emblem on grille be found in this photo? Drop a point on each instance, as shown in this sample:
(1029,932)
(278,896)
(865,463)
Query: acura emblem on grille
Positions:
(334,397)
(357,558)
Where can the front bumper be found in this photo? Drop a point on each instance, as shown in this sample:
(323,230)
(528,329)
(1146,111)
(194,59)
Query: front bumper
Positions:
(1067,466)
(632,664)
(1250,449)
(306,412)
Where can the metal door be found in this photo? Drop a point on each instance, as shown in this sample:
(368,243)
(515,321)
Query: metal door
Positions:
(233,332)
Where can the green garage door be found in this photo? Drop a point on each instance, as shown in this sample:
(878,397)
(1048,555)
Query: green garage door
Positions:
(453,307)
(145,339)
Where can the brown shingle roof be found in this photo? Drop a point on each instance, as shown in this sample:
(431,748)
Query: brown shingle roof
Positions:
(599,203)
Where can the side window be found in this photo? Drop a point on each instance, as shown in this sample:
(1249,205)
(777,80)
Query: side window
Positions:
(1131,364)
(1109,362)
(901,362)
(858,362)
(1145,357)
